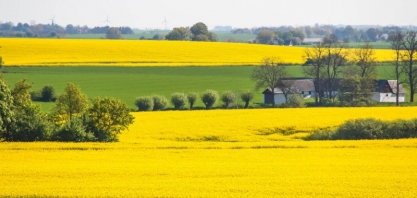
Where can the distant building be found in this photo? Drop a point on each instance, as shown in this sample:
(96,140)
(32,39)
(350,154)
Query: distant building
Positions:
(223,28)
(312,40)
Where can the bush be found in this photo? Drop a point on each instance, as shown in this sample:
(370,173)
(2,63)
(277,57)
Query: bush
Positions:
(246,96)
(159,102)
(192,98)
(228,98)
(144,103)
(294,100)
(179,100)
(369,128)
(210,98)
(73,131)
(36,95)
(48,94)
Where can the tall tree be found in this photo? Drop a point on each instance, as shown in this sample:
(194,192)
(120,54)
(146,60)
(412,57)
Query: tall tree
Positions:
(6,111)
(114,33)
(365,60)
(336,56)
(73,102)
(199,32)
(21,94)
(410,55)
(314,67)
(267,75)
(396,45)
(265,36)
(180,34)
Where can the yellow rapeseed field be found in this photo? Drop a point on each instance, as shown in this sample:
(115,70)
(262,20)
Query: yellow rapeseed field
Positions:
(50,52)
(219,153)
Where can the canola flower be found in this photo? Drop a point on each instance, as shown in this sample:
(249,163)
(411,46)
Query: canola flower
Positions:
(218,153)
(76,52)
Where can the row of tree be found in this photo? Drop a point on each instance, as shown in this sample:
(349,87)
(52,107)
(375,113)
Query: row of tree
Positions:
(73,118)
(181,100)
(197,32)
(327,63)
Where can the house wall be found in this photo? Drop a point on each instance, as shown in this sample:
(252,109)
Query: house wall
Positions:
(388,97)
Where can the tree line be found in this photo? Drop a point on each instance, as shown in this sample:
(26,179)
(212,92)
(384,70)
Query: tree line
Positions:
(328,65)
(73,118)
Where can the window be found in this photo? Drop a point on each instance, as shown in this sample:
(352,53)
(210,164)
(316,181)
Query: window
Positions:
(386,95)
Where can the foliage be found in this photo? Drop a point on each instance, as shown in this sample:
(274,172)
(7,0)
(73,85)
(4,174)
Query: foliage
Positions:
(107,118)
(246,96)
(144,103)
(192,98)
(48,93)
(294,100)
(228,98)
(21,94)
(1,64)
(159,102)
(210,98)
(179,100)
(199,32)
(6,110)
(181,34)
(265,36)
(73,131)
(114,33)
(357,91)
(70,104)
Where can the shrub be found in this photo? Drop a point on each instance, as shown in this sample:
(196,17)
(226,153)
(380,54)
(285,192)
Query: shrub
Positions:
(179,100)
(48,93)
(144,103)
(246,96)
(74,131)
(294,100)
(369,128)
(36,95)
(228,98)
(159,102)
(192,98)
(210,98)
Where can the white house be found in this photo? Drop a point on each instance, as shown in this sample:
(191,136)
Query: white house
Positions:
(386,91)
(303,87)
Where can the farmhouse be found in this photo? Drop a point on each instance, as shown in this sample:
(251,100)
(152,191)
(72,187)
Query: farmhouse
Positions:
(385,90)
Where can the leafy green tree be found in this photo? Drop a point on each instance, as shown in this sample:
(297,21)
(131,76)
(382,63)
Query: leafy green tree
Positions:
(48,93)
(6,110)
(265,36)
(294,100)
(246,96)
(1,64)
(180,34)
(192,98)
(21,93)
(31,124)
(199,32)
(144,103)
(114,33)
(179,100)
(356,91)
(74,131)
(228,98)
(72,103)
(210,98)
(159,102)
(107,118)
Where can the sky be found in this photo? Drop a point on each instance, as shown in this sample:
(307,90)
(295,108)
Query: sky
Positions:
(152,14)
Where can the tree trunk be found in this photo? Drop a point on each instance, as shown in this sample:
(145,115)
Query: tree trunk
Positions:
(246,104)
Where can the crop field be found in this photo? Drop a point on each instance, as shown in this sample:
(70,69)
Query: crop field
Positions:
(49,52)
(219,153)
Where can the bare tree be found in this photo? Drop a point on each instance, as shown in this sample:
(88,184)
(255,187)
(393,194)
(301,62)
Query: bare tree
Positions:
(396,45)
(315,63)
(267,75)
(410,47)
(365,60)
(287,87)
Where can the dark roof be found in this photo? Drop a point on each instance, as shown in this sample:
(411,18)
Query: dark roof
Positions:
(299,84)
(389,86)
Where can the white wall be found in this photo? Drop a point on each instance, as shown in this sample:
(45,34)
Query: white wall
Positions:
(388,97)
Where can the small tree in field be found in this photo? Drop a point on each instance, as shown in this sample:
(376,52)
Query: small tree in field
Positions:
(179,100)
(246,96)
(210,98)
(192,98)
(48,93)
(228,98)
(144,103)
(72,103)
(159,102)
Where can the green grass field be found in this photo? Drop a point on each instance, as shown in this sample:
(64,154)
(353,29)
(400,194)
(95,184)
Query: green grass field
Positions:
(128,83)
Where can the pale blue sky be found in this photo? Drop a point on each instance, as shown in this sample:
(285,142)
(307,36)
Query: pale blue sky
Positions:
(236,13)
